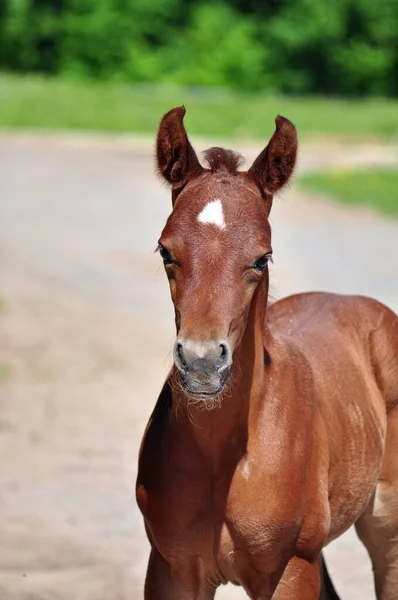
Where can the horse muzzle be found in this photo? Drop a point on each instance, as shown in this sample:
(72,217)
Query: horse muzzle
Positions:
(203,367)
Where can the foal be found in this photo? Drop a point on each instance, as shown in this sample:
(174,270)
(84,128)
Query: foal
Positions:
(302,438)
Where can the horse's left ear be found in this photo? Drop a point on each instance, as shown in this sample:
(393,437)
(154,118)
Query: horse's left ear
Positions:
(274,166)
(176,159)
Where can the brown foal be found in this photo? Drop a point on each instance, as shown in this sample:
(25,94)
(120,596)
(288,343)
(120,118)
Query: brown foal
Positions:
(277,427)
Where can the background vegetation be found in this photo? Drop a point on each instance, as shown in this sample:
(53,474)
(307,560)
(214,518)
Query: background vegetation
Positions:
(344,47)
(33,101)
(375,188)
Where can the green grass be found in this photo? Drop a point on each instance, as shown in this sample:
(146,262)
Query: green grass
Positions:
(36,102)
(4,372)
(4,369)
(372,188)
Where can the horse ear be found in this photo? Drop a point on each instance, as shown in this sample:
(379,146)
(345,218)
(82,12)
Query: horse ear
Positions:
(176,159)
(274,166)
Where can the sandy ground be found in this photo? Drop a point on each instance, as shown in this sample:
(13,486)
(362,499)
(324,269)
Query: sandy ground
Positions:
(85,334)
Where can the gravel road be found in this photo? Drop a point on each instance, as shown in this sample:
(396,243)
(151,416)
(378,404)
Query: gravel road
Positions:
(86,331)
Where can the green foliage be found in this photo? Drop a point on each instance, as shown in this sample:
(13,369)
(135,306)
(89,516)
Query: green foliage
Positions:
(219,49)
(30,35)
(293,46)
(375,188)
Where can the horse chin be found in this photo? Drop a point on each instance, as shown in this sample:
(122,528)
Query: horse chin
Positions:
(208,395)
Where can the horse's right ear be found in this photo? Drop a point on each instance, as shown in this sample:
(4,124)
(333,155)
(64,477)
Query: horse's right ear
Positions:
(176,159)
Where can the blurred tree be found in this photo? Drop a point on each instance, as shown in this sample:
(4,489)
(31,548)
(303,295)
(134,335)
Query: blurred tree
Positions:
(218,48)
(294,46)
(30,35)
(117,38)
(367,58)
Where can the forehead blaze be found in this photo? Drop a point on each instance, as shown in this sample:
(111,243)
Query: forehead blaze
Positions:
(229,210)
(213,213)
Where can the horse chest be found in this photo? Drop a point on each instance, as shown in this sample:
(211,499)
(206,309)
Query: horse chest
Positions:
(240,517)
(235,527)
(260,527)
(251,546)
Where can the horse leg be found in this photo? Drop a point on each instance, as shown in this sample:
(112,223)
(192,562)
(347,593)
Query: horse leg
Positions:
(377,527)
(301,580)
(164,583)
(327,588)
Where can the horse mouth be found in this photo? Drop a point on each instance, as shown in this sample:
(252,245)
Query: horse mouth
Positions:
(203,395)
(204,389)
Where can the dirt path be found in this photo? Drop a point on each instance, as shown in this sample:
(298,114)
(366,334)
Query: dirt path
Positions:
(86,332)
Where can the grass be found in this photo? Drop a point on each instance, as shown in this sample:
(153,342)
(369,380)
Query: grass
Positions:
(4,372)
(37,102)
(4,369)
(376,189)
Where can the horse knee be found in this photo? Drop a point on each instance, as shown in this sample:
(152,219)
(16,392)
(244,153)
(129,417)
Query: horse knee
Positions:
(301,581)
(386,575)
(385,510)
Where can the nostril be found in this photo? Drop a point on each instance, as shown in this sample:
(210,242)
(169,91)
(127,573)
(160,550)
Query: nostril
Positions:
(180,355)
(224,356)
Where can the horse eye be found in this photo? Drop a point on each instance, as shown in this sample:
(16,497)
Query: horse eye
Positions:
(261,262)
(165,254)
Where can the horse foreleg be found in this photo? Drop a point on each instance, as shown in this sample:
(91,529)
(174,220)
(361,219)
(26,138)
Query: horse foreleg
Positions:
(327,588)
(166,583)
(300,581)
(378,525)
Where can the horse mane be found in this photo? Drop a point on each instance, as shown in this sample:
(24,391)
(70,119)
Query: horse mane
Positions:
(219,158)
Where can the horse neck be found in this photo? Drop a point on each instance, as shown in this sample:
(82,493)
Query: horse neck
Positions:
(249,356)
(214,429)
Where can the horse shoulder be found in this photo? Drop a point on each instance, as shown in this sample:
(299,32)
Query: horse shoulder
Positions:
(351,343)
